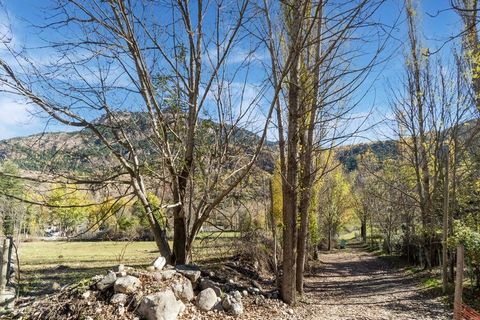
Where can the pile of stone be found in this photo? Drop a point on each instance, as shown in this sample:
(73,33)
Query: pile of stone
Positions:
(164,292)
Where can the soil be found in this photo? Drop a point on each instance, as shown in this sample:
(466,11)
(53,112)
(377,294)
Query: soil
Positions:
(355,284)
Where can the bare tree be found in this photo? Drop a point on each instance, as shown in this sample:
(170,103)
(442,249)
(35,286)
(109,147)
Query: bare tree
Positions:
(429,110)
(316,101)
(152,82)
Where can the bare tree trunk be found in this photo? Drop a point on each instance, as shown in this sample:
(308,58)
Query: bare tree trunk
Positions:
(309,112)
(363,229)
(288,288)
(445,226)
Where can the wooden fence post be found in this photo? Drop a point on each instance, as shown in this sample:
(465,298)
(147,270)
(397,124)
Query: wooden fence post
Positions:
(457,304)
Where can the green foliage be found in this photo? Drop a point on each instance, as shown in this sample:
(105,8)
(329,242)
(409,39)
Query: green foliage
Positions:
(12,187)
(335,202)
(313,228)
(277,194)
(158,212)
(68,207)
(470,239)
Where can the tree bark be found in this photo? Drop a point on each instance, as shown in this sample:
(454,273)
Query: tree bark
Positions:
(363,229)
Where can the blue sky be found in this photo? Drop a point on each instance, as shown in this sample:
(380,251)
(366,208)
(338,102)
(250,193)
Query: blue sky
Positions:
(16,118)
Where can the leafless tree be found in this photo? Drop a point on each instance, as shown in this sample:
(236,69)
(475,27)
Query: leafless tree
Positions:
(165,87)
(318,38)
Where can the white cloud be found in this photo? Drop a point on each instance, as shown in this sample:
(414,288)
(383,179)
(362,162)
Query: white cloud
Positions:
(16,119)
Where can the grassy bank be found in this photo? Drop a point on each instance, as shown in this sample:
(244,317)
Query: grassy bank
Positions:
(43,263)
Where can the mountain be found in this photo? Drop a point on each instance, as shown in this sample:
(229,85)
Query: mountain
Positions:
(83,152)
(348,155)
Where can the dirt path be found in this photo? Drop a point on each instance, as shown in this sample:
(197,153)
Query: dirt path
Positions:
(354,284)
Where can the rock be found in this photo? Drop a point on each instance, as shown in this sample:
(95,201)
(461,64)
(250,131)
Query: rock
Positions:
(120,268)
(218,305)
(122,274)
(245,293)
(183,289)
(96,278)
(107,281)
(237,295)
(165,275)
(159,263)
(206,299)
(230,281)
(190,271)
(126,284)
(290,311)
(119,298)
(233,303)
(211,274)
(86,294)
(207,283)
(161,306)
(56,286)
(150,268)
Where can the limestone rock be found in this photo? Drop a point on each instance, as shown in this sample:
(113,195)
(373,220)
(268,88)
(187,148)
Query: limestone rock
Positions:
(233,303)
(119,298)
(164,275)
(206,299)
(207,283)
(107,281)
(159,263)
(150,268)
(126,284)
(183,289)
(161,306)
(190,271)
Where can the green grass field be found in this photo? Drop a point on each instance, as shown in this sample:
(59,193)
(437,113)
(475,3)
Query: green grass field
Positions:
(44,262)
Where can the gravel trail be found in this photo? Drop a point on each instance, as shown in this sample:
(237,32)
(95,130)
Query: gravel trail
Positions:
(354,284)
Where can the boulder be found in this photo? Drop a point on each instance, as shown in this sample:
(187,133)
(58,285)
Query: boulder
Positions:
(126,284)
(159,263)
(119,298)
(107,281)
(233,303)
(164,275)
(183,289)
(190,271)
(161,306)
(206,299)
(207,283)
